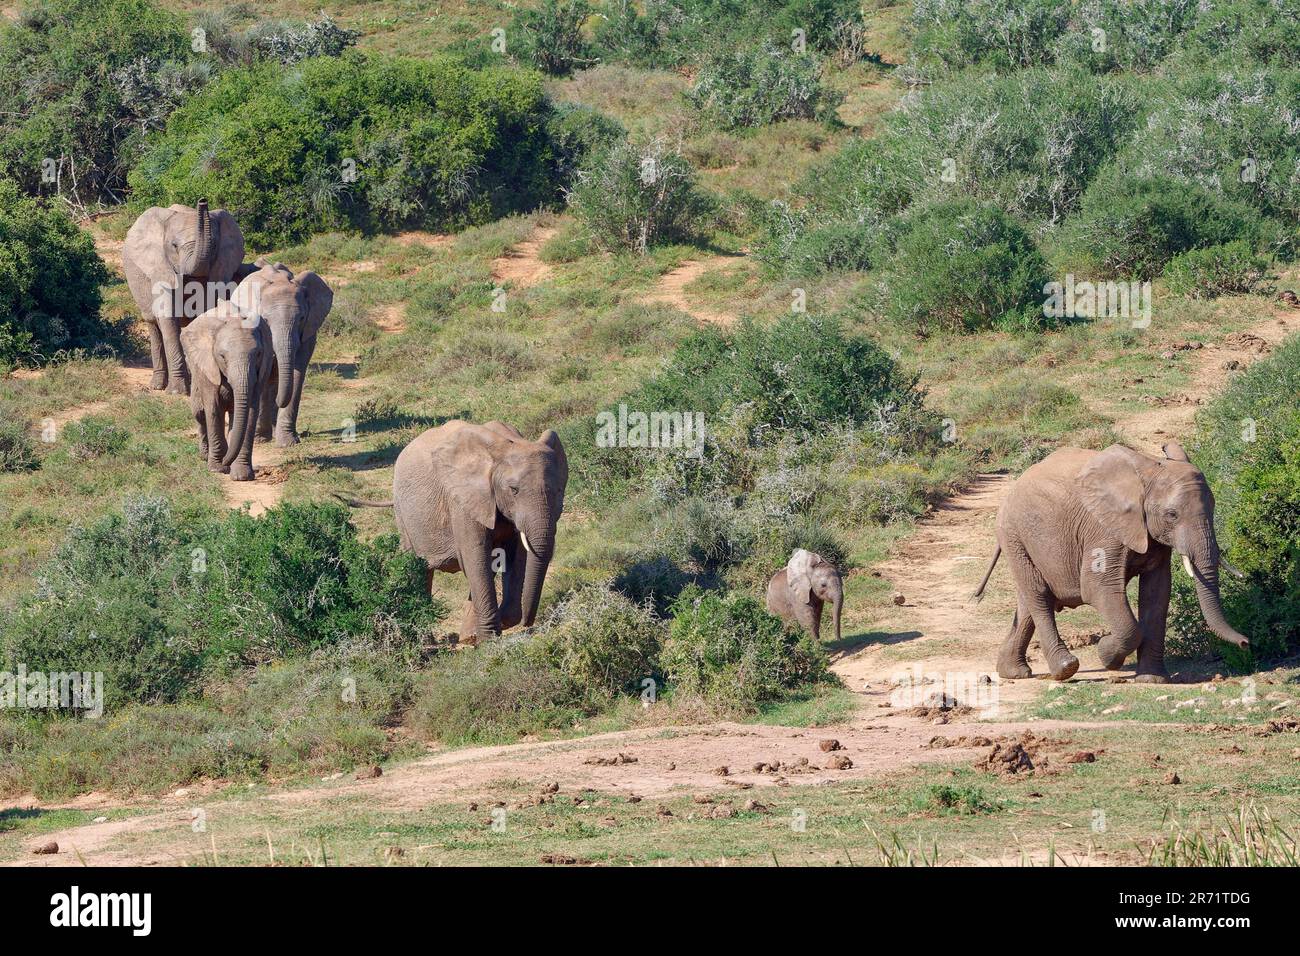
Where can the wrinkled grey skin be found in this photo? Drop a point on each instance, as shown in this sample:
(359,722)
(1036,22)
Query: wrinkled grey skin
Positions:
(178,244)
(798,592)
(461,491)
(1079,525)
(229,359)
(293,309)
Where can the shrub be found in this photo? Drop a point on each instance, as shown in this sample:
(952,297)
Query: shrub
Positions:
(1228,269)
(156,601)
(81,80)
(289,42)
(94,437)
(962,266)
(16,452)
(580,138)
(1248,444)
(728,652)
(49,282)
(356,142)
(552,35)
(758,85)
(1132,227)
(639,194)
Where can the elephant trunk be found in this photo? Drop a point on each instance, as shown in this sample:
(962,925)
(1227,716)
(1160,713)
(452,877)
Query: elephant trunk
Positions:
(288,375)
(540,546)
(204,243)
(1205,572)
(837,607)
(241,379)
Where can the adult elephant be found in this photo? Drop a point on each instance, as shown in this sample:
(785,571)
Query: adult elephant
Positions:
(481,499)
(179,263)
(294,308)
(1079,525)
(799,591)
(230,359)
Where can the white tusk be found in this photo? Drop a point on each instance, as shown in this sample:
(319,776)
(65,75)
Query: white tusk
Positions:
(1187,566)
(527,547)
(1223,563)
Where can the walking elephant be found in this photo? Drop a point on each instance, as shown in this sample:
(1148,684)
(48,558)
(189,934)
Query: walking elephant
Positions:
(481,499)
(798,592)
(230,359)
(294,308)
(179,263)
(1079,525)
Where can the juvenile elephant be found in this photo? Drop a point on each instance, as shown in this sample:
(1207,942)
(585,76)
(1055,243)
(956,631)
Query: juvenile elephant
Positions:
(481,499)
(294,308)
(179,262)
(1079,525)
(230,358)
(798,592)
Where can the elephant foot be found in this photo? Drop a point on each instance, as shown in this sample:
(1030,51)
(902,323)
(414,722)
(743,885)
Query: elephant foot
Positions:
(219,468)
(1015,670)
(1065,668)
(1152,677)
(241,472)
(158,382)
(285,439)
(176,388)
(1112,658)
(261,438)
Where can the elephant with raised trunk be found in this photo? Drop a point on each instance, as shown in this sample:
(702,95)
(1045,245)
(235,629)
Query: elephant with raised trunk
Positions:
(799,591)
(1079,525)
(481,499)
(230,358)
(179,263)
(293,307)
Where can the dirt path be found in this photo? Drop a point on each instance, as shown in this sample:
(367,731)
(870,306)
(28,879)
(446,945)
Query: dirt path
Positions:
(522,266)
(667,762)
(671,289)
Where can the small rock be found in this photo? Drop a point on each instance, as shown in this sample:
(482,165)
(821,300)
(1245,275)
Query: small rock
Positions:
(393,852)
(702,798)
(370,773)
(722,771)
(1172,779)
(46,849)
(899,599)
(838,762)
(182,792)
(723,811)
(100,820)
(472,807)
(828,745)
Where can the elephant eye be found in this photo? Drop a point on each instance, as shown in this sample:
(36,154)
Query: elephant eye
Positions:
(514,489)
(1171,513)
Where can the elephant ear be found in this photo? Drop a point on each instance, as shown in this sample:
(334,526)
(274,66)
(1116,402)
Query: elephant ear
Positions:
(798,574)
(198,342)
(1174,452)
(320,299)
(247,297)
(1111,490)
(145,249)
(464,467)
(230,247)
(551,440)
(267,358)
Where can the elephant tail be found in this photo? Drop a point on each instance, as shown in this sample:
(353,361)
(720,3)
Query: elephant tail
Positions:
(979,591)
(361,502)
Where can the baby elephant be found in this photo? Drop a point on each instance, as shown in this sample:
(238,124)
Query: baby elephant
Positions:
(799,590)
(229,357)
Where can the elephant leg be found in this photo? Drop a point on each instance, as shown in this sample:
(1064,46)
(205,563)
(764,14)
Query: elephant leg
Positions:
(215,420)
(468,624)
(1153,613)
(1125,634)
(266,411)
(814,618)
(1038,600)
(286,427)
(475,545)
(157,358)
(241,469)
(512,585)
(1012,662)
(178,380)
(201,419)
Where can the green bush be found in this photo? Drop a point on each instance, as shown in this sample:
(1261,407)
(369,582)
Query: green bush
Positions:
(730,653)
(356,142)
(580,138)
(552,35)
(81,81)
(16,451)
(758,85)
(962,266)
(1228,269)
(49,282)
(1248,444)
(94,437)
(1131,228)
(157,600)
(637,195)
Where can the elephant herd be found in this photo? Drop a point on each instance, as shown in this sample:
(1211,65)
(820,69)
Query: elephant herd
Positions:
(233,336)
(482,500)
